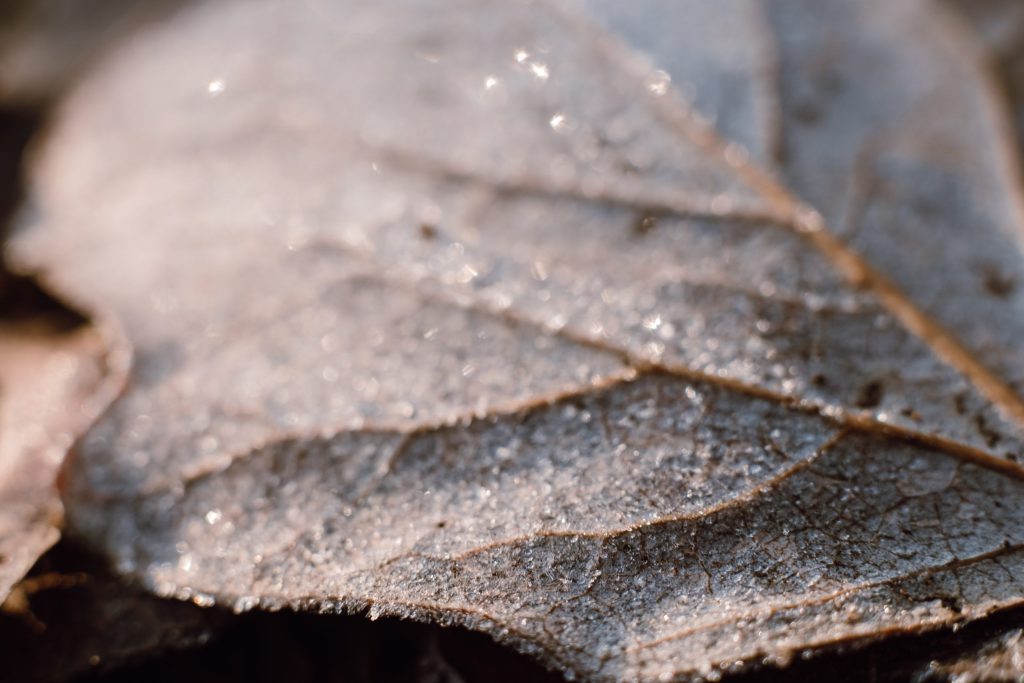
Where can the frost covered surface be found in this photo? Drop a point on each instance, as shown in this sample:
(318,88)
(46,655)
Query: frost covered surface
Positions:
(460,311)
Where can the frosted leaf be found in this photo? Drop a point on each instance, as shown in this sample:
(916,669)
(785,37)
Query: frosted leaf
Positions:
(463,312)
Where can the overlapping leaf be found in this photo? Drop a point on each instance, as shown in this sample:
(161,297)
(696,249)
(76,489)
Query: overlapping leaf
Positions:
(458,311)
(54,382)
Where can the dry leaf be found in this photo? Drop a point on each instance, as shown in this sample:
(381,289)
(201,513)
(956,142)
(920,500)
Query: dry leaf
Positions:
(458,311)
(53,382)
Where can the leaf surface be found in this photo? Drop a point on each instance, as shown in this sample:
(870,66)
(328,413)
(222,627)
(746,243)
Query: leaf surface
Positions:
(1000,24)
(53,382)
(460,311)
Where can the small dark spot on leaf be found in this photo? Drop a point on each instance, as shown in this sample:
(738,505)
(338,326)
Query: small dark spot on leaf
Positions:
(998,284)
(428,231)
(807,112)
(645,223)
(952,604)
(912,414)
(991,437)
(870,395)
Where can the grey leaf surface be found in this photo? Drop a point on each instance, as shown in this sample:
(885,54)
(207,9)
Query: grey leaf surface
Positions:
(460,311)
(1000,24)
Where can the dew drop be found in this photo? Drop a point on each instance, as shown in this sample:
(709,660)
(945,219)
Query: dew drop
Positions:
(540,71)
(657,82)
(215,87)
(203,600)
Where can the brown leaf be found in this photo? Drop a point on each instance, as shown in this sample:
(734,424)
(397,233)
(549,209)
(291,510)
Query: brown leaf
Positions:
(459,312)
(902,145)
(53,382)
(912,160)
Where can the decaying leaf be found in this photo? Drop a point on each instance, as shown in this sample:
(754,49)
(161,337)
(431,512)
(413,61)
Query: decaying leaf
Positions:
(459,311)
(53,382)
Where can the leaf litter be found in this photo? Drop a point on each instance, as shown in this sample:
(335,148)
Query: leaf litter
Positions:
(462,313)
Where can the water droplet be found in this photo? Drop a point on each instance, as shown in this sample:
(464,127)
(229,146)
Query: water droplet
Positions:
(244,604)
(466,274)
(657,82)
(540,71)
(203,600)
